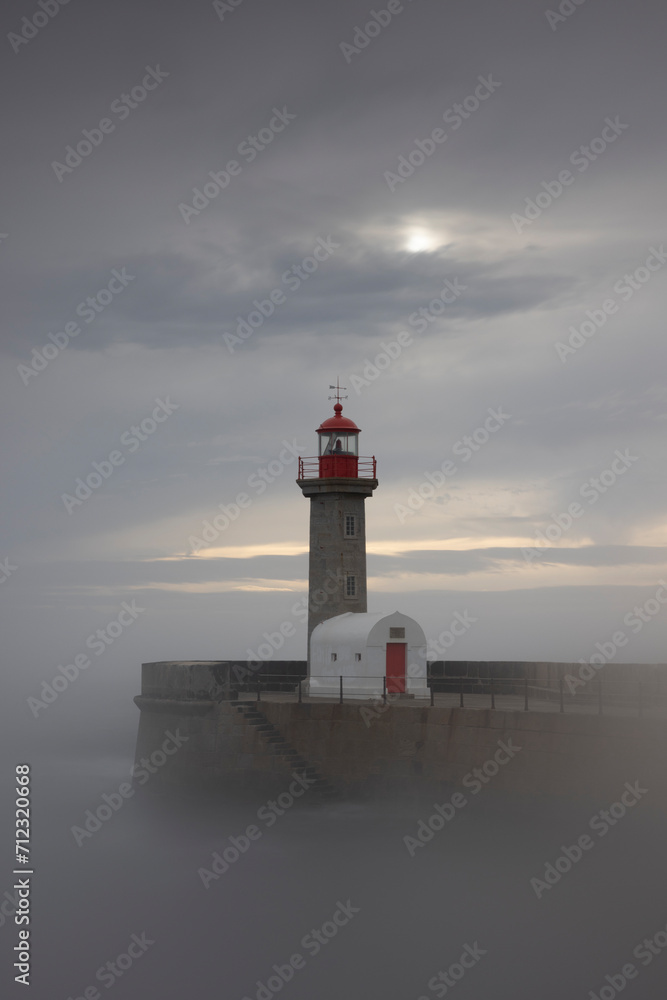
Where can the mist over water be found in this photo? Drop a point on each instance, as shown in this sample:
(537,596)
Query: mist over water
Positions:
(468,886)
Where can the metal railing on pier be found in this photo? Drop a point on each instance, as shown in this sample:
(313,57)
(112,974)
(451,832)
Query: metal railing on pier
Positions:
(636,696)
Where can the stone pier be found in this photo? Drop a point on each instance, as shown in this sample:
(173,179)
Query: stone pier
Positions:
(365,749)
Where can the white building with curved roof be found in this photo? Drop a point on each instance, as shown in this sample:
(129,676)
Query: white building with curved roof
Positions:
(372,652)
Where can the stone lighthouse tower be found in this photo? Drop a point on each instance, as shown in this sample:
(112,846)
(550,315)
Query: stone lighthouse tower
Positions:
(337,482)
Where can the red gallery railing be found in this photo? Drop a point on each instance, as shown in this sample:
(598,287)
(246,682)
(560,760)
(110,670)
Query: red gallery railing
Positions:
(311,468)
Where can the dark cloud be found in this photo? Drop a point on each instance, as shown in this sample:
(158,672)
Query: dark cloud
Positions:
(323,177)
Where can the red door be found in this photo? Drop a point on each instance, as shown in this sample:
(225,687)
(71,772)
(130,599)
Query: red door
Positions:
(396,655)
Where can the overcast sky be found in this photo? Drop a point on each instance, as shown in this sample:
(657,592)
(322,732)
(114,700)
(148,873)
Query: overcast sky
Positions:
(536,206)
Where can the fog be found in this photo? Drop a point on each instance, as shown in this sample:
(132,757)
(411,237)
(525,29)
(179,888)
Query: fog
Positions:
(415,910)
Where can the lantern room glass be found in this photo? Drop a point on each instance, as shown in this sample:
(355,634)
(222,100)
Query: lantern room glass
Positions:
(339,443)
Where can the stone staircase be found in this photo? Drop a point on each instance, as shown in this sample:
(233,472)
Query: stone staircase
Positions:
(283,749)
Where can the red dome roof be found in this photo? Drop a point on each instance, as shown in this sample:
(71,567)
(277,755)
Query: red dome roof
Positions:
(338,423)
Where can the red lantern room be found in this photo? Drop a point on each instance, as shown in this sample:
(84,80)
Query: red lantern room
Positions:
(338,452)
(339,446)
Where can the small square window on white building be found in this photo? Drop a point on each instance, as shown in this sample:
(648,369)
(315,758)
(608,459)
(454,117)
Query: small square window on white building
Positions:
(334,657)
(350,526)
(351,586)
(357,657)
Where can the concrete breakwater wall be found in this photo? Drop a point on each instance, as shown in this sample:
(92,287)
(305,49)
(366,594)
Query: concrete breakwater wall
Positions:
(541,753)
(197,699)
(365,748)
(547,673)
(477,672)
(621,680)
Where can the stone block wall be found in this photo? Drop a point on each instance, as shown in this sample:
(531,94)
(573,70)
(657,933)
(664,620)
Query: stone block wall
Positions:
(404,746)
(219,748)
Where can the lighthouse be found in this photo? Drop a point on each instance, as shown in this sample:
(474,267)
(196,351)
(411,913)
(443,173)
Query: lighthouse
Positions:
(350,651)
(336,481)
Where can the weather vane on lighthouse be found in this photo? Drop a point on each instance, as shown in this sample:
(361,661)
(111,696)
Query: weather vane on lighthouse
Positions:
(337,396)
